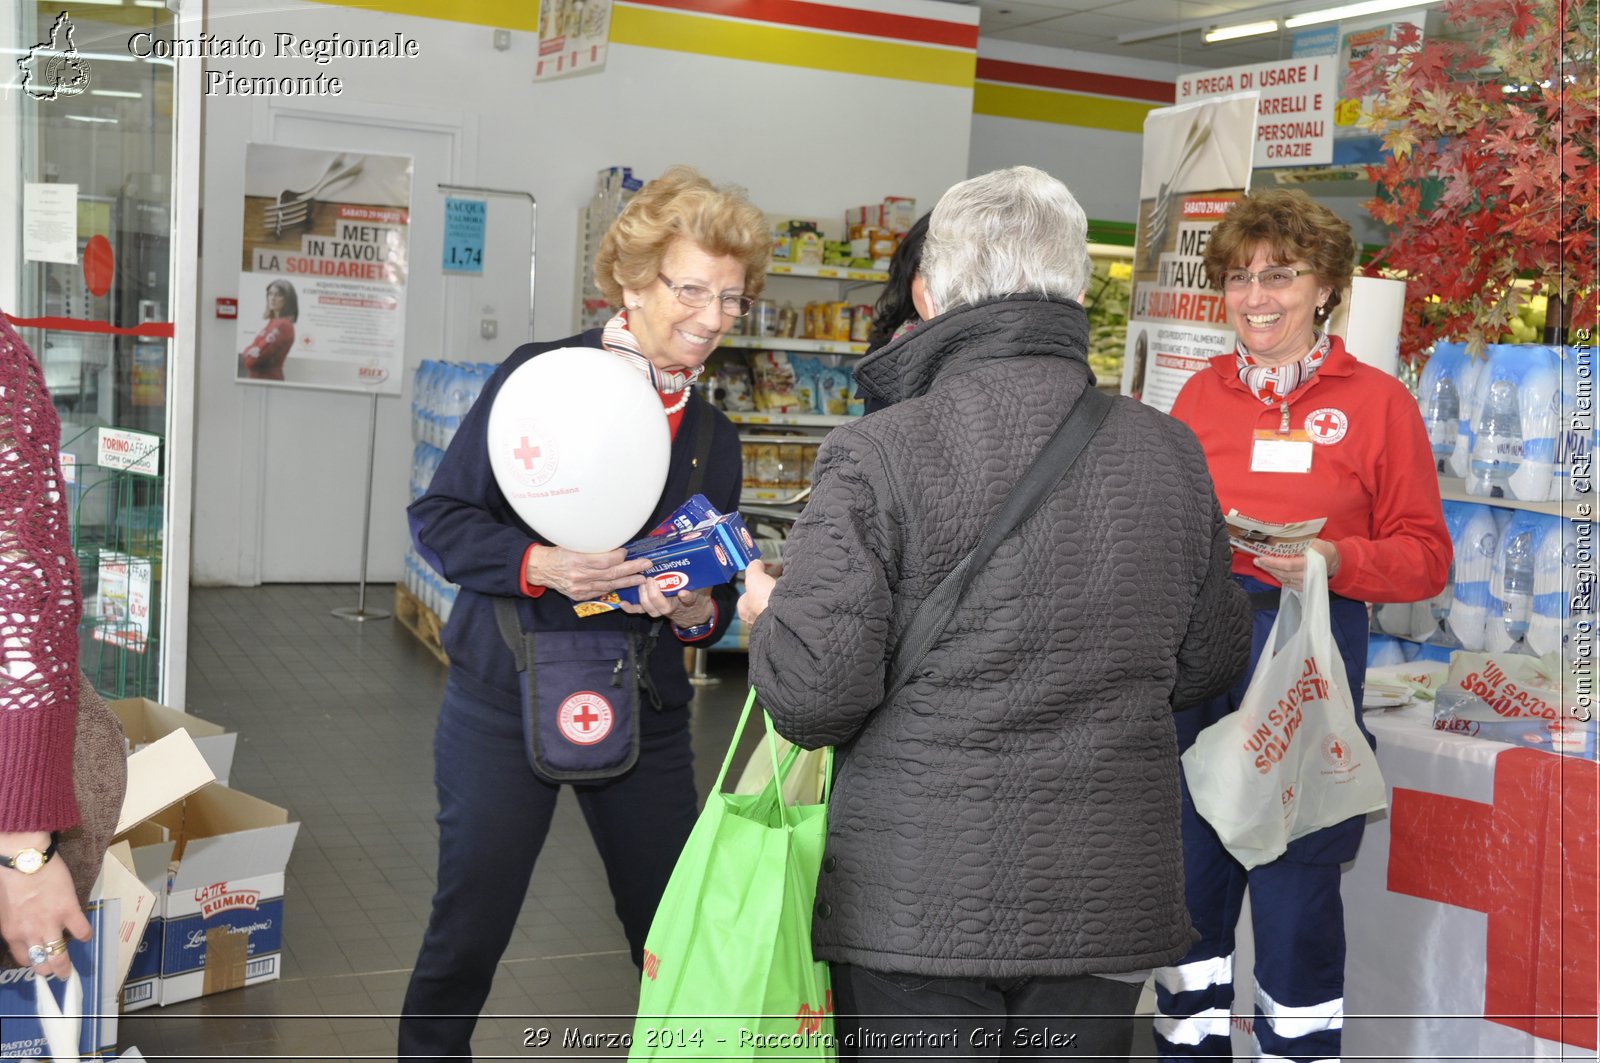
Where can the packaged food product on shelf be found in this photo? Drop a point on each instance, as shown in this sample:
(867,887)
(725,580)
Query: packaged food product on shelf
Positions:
(775,390)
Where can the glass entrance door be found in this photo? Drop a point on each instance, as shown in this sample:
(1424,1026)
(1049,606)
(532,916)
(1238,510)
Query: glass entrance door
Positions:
(86,277)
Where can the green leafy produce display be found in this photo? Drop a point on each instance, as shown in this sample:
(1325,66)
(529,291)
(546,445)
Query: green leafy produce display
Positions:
(1107,300)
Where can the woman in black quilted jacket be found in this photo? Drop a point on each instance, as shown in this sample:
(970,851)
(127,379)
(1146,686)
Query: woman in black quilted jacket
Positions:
(1003,851)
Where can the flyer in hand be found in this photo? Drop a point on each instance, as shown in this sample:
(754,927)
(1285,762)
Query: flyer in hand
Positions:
(1266,538)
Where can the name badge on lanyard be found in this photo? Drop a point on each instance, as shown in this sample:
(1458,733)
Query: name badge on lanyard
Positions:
(1280,453)
(1284,450)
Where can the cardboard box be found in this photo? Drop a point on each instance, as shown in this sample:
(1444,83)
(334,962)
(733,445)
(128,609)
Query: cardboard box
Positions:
(149,857)
(143,721)
(159,775)
(222,911)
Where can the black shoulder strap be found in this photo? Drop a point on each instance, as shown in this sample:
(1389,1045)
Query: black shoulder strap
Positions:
(1054,459)
(705,431)
(510,625)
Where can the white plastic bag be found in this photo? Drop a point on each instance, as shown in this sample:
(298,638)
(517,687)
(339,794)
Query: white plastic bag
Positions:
(1291,759)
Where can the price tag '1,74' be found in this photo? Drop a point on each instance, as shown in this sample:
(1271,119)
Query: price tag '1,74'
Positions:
(465,221)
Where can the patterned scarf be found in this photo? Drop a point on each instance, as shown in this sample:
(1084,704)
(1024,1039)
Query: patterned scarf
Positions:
(1274,383)
(619,341)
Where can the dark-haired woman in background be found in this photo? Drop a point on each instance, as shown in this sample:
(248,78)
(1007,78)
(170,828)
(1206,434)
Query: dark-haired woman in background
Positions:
(904,301)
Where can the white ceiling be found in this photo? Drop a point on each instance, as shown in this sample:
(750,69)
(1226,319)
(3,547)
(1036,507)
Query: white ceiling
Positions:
(1094,25)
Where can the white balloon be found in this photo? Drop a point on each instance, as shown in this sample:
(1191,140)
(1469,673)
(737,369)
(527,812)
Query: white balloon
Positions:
(579,444)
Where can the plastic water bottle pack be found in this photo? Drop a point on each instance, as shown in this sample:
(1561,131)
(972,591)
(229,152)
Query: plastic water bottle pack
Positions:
(1439,392)
(1516,420)
(1475,542)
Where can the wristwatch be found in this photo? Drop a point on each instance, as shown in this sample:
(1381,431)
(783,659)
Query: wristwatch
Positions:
(29,861)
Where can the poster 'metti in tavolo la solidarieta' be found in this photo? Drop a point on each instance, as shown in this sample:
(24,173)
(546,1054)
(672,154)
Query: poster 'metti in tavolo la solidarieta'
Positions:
(322,285)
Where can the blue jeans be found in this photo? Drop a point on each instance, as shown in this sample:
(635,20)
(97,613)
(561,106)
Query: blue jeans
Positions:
(1297,916)
(494,814)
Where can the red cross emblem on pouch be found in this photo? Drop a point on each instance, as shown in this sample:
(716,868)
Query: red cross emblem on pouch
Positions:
(1327,425)
(585,718)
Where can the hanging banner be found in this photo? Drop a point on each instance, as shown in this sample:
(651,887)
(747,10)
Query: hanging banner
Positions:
(572,37)
(1295,123)
(1196,164)
(322,289)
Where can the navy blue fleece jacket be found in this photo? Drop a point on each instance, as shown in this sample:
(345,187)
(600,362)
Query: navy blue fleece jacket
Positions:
(465,528)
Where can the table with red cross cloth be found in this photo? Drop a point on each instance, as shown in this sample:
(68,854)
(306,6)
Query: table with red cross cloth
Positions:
(1473,905)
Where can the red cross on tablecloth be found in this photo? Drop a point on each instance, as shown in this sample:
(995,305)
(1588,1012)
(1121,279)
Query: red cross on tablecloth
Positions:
(1531,862)
(527,453)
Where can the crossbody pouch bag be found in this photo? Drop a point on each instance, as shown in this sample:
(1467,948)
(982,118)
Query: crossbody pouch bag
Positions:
(580,689)
(580,696)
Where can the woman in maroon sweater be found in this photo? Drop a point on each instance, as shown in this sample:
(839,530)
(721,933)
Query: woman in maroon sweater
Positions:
(40,602)
(264,358)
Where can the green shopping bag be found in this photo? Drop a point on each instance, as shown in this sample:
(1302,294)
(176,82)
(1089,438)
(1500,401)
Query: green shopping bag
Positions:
(728,972)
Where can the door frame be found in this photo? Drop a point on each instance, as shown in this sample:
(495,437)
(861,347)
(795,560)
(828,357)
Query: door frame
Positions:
(462,129)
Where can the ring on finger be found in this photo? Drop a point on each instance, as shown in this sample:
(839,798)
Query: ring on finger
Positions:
(38,954)
(56,947)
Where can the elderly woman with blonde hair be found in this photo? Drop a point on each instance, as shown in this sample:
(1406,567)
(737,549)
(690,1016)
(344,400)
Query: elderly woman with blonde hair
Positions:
(681,263)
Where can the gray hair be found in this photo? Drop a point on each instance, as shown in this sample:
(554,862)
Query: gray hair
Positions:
(1016,231)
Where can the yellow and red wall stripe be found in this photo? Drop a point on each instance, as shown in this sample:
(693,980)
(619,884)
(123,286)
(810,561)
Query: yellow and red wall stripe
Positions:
(819,36)
(1066,97)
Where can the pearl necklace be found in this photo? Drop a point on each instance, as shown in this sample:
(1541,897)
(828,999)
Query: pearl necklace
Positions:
(683,401)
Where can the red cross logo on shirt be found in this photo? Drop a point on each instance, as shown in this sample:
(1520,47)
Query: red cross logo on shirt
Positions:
(1327,425)
(584,718)
(1531,862)
(527,453)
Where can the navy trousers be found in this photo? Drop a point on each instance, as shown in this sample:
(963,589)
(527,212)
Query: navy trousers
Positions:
(1297,917)
(494,814)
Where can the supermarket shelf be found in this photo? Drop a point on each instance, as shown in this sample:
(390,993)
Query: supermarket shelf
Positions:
(792,343)
(807,420)
(829,273)
(1454,489)
(769,494)
(773,511)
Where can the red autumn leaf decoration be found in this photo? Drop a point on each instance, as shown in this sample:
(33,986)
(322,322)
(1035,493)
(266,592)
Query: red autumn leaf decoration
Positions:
(1491,173)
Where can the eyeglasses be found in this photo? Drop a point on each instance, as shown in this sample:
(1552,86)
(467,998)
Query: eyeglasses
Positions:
(696,296)
(1272,278)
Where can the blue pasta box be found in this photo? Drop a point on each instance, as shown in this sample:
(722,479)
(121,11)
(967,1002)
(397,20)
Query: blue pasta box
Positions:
(222,912)
(23,1036)
(695,547)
